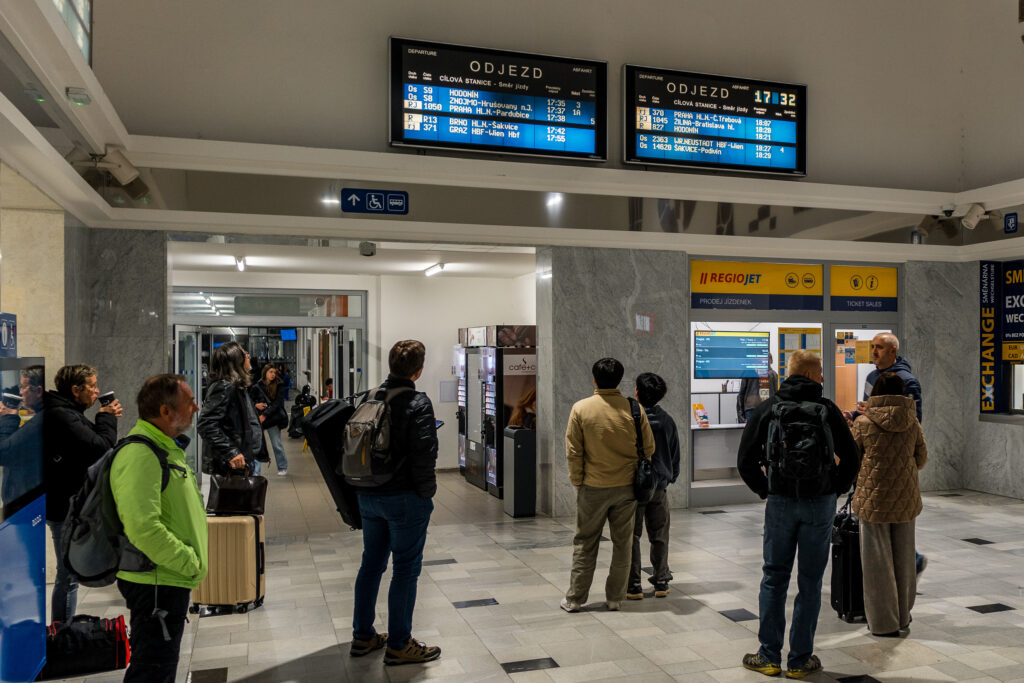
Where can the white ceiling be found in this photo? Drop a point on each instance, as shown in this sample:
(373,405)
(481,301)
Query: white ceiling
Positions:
(392,258)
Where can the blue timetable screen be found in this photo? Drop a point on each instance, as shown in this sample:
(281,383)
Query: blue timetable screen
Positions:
(494,101)
(729,355)
(687,119)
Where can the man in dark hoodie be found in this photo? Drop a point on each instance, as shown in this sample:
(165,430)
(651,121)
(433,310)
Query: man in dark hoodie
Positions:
(650,389)
(797,522)
(71,443)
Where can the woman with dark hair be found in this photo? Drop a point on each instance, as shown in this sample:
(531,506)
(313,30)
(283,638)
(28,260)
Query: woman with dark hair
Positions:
(269,392)
(887,500)
(230,428)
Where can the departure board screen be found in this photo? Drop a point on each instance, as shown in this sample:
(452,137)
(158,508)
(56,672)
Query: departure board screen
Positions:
(455,97)
(729,355)
(714,122)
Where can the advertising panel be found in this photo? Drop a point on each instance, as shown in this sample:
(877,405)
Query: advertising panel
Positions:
(756,286)
(863,288)
(993,396)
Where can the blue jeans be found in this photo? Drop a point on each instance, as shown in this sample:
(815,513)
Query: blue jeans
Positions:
(397,526)
(64,600)
(274,434)
(801,528)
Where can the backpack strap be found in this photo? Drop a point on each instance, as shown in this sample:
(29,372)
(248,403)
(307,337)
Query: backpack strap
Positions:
(634,408)
(161,455)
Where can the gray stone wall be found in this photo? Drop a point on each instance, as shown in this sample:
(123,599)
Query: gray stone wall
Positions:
(116,308)
(587,310)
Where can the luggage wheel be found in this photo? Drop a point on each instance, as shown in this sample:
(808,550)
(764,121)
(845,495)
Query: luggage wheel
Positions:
(193,609)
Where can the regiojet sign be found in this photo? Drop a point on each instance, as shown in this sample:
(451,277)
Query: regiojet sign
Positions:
(756,286)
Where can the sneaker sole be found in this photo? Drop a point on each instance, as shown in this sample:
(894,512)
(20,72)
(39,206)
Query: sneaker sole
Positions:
(634,596)
(661,594)
(399,662)
(766,670)
(802,674)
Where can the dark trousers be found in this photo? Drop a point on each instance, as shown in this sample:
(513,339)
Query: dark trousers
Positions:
(154,660)
(396,526)
(655,515)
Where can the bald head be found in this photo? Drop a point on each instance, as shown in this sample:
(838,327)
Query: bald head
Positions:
(884,349)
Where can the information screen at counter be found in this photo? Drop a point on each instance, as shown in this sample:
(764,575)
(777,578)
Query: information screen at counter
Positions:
(719,122)
(455,97)
(730,355)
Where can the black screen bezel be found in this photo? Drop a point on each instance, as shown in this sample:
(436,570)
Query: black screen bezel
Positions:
(396,138)
(629,123)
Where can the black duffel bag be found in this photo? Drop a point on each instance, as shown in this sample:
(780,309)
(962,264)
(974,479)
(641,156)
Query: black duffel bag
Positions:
(85,645)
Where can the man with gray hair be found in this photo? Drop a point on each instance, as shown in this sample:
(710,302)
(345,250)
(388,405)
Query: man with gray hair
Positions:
(885,348)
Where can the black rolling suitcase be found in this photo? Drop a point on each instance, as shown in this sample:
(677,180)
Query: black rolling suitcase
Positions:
(847,577)
(323,429)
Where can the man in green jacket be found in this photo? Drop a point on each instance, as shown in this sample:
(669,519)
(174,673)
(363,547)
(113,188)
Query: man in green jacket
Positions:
(168,526)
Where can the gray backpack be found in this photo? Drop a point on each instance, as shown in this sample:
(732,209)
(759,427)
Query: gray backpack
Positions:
(93,545)
(366,458)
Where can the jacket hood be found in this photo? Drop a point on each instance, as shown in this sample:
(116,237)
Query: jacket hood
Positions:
(892,413)
(51,399)
(901,364)
(799,388)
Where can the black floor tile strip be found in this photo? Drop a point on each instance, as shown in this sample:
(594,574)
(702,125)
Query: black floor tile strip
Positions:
(434,563)
(864,678)
(989,609)
(712,512)
(209,676)
(738,614)
(529,665)
(977,541)
(475,603)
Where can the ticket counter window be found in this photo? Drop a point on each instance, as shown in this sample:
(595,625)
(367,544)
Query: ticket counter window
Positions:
(852,365)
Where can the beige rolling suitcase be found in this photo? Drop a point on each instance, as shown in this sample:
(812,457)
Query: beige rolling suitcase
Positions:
(236,581)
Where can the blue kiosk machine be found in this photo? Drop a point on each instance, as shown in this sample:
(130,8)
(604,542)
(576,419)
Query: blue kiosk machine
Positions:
(22,518)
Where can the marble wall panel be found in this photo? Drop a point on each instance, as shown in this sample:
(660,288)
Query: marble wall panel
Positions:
(587,310)
(940,339)
(116,300)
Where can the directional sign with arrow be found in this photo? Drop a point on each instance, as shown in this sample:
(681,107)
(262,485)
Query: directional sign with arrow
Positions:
(375,201)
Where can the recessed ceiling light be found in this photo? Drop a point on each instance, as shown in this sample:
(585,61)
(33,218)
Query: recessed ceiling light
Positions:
(434,269)
(331,201)
(240,263)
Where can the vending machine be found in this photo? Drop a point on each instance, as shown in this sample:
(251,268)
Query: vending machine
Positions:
(476,341)
(459,371)
(508,367)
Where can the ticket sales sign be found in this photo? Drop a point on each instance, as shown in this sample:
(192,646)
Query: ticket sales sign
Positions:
(756,286)
(863,288)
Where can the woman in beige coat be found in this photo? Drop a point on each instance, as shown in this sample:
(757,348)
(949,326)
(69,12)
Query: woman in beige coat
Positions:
(887,500)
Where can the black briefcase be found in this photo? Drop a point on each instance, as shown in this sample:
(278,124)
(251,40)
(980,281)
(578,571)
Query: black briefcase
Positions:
(323,429)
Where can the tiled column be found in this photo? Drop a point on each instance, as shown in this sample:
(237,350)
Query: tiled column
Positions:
(117,308)
(32,268)
(587,310)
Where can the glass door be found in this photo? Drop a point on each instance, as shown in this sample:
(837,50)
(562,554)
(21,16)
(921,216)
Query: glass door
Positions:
(851,361)
(188,362)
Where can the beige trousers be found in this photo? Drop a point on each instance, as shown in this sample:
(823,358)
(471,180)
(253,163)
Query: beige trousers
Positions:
(890,574)
(595,506)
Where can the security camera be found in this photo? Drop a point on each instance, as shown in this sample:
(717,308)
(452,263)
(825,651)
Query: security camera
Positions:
(117,163)
(948,209)
(367,249)
(975,213)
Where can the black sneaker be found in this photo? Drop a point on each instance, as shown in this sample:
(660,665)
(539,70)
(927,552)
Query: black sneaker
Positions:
(811,666)
(755,662)
(414,652)
(660,590)
(635,593)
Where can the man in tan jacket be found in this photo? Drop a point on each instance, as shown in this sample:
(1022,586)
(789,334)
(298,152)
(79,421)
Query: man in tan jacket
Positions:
(600,445)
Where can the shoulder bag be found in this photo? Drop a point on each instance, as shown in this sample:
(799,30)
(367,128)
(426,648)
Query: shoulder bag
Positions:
(643,480)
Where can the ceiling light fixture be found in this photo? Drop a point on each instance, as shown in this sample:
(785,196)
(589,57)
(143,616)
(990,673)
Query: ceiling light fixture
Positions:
(434,269)
(331,201)
(555,199)
(240,263)
(78,96)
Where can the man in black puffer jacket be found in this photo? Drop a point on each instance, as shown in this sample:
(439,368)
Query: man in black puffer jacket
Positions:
(395,517)
(797,519)
(71,443)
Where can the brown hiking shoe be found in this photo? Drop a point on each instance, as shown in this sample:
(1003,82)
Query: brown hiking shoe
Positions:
(365,647)
(414,652)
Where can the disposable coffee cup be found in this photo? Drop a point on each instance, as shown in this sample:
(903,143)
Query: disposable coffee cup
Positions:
(107,398)
(11,400)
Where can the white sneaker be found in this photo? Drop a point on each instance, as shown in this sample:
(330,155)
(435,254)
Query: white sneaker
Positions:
(282,473)
(613,605)
(570,606)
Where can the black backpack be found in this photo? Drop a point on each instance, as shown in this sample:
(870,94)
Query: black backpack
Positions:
(799,453)
(93,545)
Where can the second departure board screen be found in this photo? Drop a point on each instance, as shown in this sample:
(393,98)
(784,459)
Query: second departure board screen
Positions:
(455,97)
(728,355)
(714,122)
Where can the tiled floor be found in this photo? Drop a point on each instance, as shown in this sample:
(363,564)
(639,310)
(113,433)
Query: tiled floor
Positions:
(475,553)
